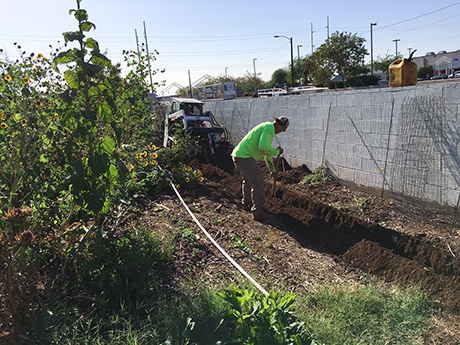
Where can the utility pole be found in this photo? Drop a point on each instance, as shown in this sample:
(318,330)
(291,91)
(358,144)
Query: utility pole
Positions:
(226,68)
(292,57)
(372,51)
(254,63)
(312,47)
(190,84)
(396,40)
(137,44)
(327,27)
(298,51)
(148,58)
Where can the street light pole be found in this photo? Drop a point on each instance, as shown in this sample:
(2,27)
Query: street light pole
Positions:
(372,51)
(292,58)
(298,51)
(396,41)
(254,63)
(226,68)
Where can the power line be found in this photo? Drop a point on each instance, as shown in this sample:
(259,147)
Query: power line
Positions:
(420,16)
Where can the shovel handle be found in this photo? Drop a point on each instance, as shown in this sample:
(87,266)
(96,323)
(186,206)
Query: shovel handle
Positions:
(275,176)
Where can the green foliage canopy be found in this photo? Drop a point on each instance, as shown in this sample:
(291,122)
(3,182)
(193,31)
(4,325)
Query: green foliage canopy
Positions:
(342,53)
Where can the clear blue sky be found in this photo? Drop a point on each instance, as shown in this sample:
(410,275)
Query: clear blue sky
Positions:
(213,37)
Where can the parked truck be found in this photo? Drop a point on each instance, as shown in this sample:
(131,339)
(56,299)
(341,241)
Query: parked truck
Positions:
(222,90)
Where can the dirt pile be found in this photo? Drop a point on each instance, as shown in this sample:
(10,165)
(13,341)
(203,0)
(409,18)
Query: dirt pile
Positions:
(321,216)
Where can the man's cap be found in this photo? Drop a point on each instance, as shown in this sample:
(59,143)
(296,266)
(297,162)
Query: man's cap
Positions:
(283,120)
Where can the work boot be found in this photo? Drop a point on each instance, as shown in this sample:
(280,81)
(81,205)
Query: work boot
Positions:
(261,216)
(246,207)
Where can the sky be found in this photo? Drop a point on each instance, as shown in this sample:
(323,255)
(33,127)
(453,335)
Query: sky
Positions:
(200,39)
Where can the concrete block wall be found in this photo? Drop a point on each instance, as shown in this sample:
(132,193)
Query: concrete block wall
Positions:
(403,140)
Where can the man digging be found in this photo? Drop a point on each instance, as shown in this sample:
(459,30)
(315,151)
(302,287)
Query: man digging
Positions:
(251,149)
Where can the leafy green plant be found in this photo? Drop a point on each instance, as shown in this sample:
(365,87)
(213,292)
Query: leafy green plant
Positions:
(250,319)
(123,268)
(239,243)
(189,236)
(320,175)
(361,203)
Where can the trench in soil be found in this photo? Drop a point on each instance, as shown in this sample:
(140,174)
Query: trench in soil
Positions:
(388,254)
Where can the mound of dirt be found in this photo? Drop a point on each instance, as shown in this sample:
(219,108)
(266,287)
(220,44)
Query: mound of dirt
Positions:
(321,233)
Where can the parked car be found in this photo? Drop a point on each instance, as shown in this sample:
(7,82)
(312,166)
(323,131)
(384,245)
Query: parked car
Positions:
(440,76)
(454,75)
(383,82)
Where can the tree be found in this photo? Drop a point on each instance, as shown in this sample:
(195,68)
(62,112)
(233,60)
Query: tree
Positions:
(383,63)
(343,53)
(425,72)
(249,82)
(279,78)
(317,69)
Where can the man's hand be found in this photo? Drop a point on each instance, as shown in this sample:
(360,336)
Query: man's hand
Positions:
(281,150)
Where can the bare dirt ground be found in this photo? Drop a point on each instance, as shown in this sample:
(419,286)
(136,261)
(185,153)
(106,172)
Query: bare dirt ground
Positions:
(326,233)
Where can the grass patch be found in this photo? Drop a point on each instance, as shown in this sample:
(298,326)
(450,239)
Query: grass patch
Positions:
(367,314)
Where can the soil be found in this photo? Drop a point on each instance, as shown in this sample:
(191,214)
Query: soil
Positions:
(324,233)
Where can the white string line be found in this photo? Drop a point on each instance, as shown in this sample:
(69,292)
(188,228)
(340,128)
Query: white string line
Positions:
(229,258)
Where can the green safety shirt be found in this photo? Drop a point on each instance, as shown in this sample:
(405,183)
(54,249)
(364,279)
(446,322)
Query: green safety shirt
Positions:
(258,144)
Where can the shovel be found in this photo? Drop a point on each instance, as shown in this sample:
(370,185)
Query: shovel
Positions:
(275,176)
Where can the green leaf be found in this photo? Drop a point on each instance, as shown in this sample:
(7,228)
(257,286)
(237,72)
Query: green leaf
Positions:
(113,174)
(26,92)
(100,59)
(105,113)
(73,36)
(89,67)
(87,26)
(71,78)
(110,100)
(95,199)
(89,115)
(108,144)
(122,170)
(81,15)
(118,131)
(98,164)
(66,96)
(65,57)
(92,43)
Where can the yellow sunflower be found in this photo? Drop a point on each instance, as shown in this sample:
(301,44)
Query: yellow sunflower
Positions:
(39,56)
(3,125)
(155,156)
(38,104)
(131,168)
(26,80)
(187,180)
(8,78)
(24,122)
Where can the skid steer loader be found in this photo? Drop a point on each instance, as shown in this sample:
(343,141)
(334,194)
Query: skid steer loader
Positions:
(209,139)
